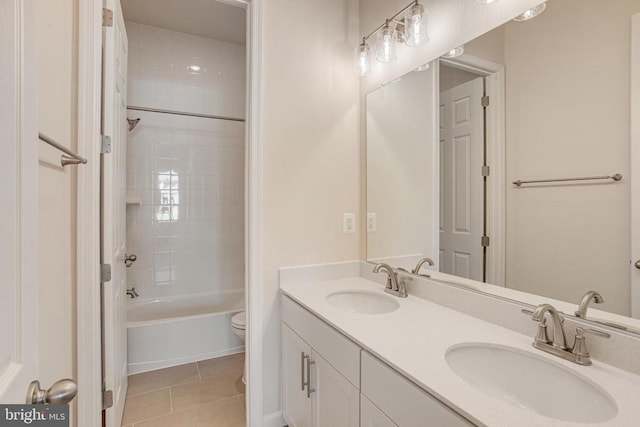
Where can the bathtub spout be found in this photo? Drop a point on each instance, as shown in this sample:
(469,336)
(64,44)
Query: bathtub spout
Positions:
(132,293)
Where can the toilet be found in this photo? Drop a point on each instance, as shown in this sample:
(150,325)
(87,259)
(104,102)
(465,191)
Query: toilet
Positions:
(238,325)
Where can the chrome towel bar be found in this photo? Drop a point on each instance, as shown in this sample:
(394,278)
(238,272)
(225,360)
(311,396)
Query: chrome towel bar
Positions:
(615,177)
(70,158)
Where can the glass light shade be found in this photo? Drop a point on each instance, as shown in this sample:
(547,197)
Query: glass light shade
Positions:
(454,53)
(486,1)
(387,41)
(415,21)
(362,59)
(531,13)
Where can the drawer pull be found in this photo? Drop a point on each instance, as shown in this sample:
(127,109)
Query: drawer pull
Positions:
(302,381)
(309,389)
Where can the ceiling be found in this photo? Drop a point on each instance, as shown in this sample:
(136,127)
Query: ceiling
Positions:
(206,18)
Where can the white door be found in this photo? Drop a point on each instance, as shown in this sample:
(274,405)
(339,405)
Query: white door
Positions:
(114,212)
(296,406)
(19,194)
(461,181)
(335,401)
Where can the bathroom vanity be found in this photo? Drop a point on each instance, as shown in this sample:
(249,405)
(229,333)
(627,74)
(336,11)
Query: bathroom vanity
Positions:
(354,355)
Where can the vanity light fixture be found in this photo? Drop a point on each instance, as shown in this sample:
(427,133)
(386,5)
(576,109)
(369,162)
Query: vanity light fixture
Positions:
(415,22)
(362,58)
(531,13)
(387,40)
(408,26)
(454,53)
(486,1)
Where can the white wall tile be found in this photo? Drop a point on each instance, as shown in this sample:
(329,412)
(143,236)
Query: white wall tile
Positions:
(188,173)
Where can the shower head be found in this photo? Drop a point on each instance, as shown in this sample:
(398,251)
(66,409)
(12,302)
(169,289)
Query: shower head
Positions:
(133,123)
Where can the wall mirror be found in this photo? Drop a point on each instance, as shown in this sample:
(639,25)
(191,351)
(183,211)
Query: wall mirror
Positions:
(452,148)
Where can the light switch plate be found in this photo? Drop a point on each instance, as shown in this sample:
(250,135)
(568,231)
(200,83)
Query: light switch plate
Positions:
(371,222)
(349,223)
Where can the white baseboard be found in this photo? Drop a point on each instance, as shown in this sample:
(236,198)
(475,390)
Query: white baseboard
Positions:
(274,420)
(137,368)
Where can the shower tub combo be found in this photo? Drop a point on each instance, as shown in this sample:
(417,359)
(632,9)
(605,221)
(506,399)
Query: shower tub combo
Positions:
(171,331)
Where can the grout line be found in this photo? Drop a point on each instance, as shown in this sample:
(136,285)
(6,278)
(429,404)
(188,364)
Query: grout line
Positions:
(198,369)
(170,400)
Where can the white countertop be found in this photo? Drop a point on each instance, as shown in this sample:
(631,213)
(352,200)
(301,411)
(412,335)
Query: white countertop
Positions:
(415,338)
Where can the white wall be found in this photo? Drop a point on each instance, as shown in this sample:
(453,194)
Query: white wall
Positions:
(401,159)
(57,53)
(187,173)
(568,115)
(160,77)
(310,148)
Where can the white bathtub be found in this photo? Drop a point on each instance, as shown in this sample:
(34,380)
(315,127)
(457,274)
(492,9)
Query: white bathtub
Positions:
(172,331)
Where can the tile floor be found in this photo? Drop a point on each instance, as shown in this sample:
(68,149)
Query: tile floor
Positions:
(207,393)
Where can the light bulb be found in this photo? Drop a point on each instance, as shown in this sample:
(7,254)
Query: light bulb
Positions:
(454,53)
(531,13)
(386,44)
(486,1)
(362,58)
(416,24)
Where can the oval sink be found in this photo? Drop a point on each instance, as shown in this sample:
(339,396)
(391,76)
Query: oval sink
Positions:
(362,302)
(526,380)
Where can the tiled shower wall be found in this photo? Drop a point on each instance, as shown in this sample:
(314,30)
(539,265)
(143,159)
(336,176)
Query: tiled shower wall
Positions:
(185,175)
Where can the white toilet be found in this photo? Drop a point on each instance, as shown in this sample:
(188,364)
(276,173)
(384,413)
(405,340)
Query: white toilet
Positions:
(238,325)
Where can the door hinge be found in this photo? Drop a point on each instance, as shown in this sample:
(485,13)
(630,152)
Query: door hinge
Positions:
(105,273)
(105,144)
(484,101)
(107,399)
(107,17)
(486,170)
(484,241)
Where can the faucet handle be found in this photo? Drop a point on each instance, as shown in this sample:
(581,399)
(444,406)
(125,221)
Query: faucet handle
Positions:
(579,349)
(541,336)
(582,331)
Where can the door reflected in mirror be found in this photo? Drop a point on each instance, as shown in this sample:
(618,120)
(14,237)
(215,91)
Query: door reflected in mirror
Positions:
(546,99)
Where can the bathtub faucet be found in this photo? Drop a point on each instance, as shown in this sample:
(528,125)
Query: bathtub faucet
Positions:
(132,293)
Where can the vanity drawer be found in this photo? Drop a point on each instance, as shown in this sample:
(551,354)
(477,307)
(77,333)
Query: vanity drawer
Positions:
(334,347)
(403,402)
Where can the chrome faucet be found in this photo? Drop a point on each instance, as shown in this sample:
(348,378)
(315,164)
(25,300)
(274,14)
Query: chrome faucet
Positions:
(584,303)
(429,261)
(558,346)
(132,292)
(395,285)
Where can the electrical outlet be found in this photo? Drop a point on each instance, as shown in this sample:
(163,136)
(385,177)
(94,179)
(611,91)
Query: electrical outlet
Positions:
(349,223)
(371,222)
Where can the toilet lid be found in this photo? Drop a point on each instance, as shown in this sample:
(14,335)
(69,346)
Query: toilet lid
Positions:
(239,320)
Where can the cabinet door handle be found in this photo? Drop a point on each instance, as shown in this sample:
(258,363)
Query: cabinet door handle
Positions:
(309,389)
(302,381)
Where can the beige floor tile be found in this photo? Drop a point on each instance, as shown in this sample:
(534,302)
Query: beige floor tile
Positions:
(207,390)
(221,365)
(222,413)
(162,378)
(147,405)
(243,401)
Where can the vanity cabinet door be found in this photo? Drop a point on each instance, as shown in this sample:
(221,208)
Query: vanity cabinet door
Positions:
(371,416)
(296,406)
(335,401)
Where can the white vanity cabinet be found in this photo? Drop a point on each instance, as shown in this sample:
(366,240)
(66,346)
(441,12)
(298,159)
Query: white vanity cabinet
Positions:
(320,372)
(329,381)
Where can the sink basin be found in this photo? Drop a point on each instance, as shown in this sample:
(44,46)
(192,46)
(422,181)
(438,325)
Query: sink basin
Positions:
(363,302)
(526,380)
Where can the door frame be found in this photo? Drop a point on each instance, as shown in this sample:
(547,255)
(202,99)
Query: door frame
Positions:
(494,75)
(89,351)
(634,159)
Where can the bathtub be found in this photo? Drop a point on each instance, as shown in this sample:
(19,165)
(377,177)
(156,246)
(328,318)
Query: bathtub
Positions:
(171,331)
